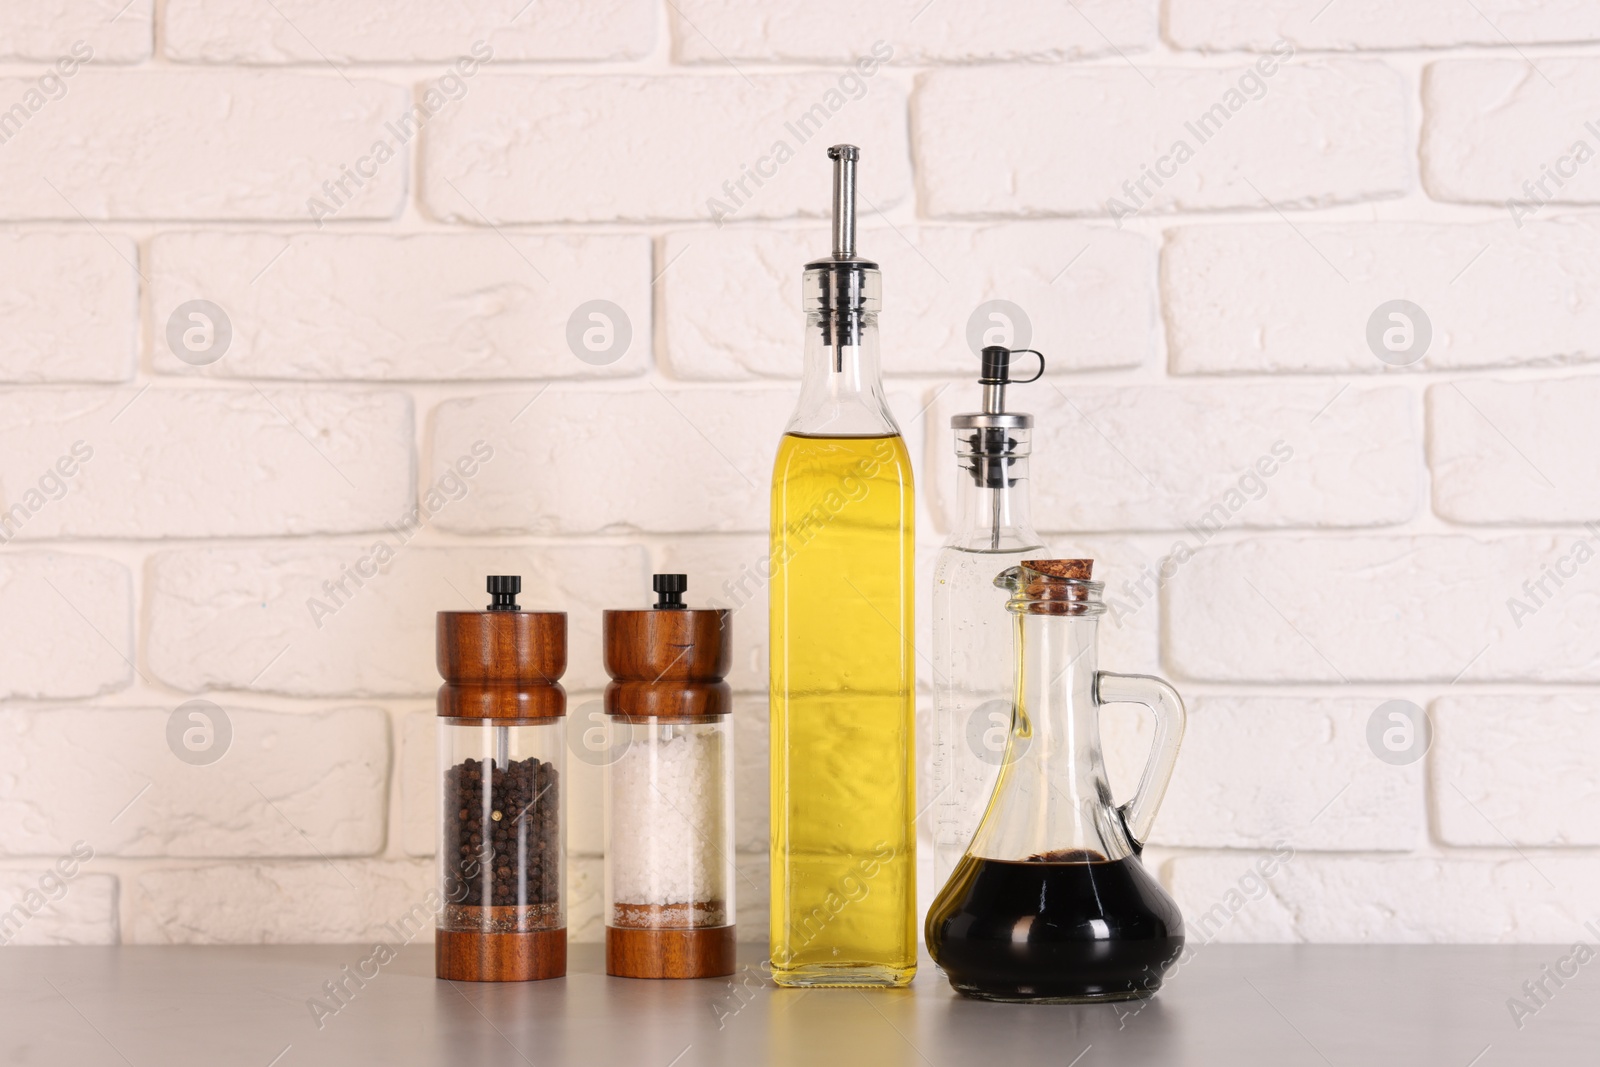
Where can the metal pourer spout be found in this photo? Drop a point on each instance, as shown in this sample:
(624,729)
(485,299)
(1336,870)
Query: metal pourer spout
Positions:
(992,440)
(844,158)
(842,286)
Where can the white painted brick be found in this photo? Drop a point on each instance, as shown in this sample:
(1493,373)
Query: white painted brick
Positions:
(678,460)
(238,618)
(586,910)
(1429,608)
(1255,772)
(1491,125)
(1227,25)
(71,307)
(168,144)
(297,903)
(207,463)
(39,907)
(1162,457)
(289,784)
(752,894)
(1517,768)
(451,306)
(1248,299)
(732,296)
(417,768)
(1515,451)
(1058,141)
(490,158)
(707,31)
(238,31)
(1337,899)
(66,625)
(45,30)
(752,791)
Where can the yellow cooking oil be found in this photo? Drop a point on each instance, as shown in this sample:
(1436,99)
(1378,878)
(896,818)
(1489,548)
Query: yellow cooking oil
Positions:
(844,896)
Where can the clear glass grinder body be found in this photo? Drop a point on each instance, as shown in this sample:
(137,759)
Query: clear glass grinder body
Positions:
(843,904)
(972,634)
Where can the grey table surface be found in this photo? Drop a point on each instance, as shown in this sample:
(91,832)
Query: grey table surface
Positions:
(1231,1004)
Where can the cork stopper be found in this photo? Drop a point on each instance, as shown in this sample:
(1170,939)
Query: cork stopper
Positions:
(668,662)
(1074,570)
(503,662)
(1053,587)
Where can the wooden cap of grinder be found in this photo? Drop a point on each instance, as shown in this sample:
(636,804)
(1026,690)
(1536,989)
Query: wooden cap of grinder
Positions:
(668,662)
(502,662)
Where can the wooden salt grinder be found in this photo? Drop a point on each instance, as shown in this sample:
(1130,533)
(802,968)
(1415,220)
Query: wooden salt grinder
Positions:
(667,666)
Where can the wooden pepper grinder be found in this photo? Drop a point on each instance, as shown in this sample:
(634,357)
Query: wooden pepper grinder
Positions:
(502,841)
(669,789)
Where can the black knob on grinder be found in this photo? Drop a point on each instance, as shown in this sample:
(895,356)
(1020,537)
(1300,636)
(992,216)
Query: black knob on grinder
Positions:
(669,590)
(504,588)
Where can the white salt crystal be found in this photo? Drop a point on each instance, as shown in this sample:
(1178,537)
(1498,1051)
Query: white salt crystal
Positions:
(668,825)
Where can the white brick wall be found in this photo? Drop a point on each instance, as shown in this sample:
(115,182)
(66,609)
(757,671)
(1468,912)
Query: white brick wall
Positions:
(165,462)
(1315,785)
(84,912)
(526,148)
(1383,608)
(793,31)
(43,31)
(164,144)
(1492,124)
(1378,24)
(402,210)
(1023,140)
(83,332)
(304,31)
(1518,769)
(292,785)
(1248,299)
(428,306)
(1549,477)
(68,625)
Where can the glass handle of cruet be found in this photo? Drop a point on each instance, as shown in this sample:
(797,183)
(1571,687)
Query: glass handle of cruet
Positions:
(1163,701)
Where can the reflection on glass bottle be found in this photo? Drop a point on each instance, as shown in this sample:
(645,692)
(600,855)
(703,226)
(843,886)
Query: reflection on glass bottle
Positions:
(972,675)
(842,674)
(1050,901)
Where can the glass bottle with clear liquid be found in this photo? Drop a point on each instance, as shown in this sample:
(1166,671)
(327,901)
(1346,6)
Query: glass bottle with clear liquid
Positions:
(972,635)
(844,904)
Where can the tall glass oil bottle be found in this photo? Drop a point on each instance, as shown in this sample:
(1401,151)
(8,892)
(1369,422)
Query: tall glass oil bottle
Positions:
(843,680)
(972,636)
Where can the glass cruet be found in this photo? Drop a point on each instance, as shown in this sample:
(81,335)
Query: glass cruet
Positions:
(1051,901)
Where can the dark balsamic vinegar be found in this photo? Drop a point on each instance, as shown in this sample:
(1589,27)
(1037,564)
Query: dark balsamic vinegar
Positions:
(1041,929)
